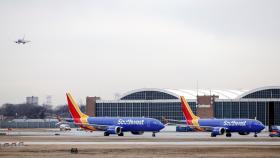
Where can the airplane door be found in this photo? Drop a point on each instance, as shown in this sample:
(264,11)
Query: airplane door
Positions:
(149,123)
(249,125)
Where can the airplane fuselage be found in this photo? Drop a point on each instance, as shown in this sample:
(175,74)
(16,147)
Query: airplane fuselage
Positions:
(232,125)
(126,123)
(21,41)
(112,125)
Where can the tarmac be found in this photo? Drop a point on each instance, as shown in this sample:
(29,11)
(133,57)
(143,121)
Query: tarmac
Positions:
(203,143)
(55,143)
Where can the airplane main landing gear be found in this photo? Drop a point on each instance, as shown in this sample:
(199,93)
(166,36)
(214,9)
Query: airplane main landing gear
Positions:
(228,134)
(154,134)
(106,134)
(255,135)
(213,135)
(121,134)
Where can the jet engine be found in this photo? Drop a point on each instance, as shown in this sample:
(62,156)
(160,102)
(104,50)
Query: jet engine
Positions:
(137,133)
(114,130)
(218,131)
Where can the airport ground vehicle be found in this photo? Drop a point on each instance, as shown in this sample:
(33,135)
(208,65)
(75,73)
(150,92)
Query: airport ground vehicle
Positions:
(183,129)
(275,132)
(63,124)
(113,125)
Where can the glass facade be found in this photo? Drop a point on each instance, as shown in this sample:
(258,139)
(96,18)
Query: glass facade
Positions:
(247,109)
(171,110)
(267,93)
(277,113)
(148,95)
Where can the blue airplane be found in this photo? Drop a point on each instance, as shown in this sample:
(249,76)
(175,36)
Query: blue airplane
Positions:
(113,125)
(218,126)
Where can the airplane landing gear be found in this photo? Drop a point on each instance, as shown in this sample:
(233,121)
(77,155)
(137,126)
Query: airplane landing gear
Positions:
(106,134)
(255,135)
(228,134)
(154,134)
(121,134)
(213,135)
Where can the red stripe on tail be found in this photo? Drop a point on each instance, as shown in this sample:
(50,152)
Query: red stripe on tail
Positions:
(187,110)
(73,110)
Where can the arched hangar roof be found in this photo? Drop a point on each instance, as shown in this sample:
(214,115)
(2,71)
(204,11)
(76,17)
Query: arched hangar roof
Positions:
(187,93)
(262,92)
(192,93)
(156,93)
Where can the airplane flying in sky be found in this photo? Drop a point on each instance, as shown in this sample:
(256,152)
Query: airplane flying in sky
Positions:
(21,41)
(113,125)
(218,126)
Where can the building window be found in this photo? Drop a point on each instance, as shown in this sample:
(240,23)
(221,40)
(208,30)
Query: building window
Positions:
(268,93)
(148,95)
(261,112)
(227,109)
(235,109)
(218,109)
(244,110)
(252,110)
(277,113)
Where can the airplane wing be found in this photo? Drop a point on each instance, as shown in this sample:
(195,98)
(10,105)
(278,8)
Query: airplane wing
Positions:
(183,123)
(173,122)
(96,126)
(201,128)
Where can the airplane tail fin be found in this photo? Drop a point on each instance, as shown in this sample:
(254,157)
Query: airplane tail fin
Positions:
(74,108)
(187,111)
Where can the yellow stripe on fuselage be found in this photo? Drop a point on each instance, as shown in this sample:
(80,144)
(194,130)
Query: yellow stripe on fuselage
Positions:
(196,125)
(84,120)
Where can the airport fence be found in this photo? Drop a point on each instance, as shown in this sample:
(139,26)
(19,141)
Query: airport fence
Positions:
(30,124)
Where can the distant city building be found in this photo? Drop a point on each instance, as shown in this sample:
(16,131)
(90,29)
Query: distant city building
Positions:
(48,100)
(32,100)
(48,103)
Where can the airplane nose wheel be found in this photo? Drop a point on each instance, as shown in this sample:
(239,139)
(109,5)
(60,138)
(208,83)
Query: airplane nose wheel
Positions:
(255,135)
(228,135)
(154,134)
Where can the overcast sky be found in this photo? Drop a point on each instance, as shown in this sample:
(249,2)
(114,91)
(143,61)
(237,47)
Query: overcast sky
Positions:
(99,48)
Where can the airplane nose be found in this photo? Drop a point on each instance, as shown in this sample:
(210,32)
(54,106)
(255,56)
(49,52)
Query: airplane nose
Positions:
(161,126)
(262,127)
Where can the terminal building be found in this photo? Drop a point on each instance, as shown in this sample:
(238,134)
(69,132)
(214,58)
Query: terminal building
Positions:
(262,104)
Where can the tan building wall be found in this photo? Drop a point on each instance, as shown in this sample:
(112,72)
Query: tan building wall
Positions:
(91,105)
(205,106)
